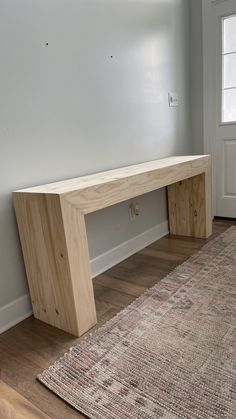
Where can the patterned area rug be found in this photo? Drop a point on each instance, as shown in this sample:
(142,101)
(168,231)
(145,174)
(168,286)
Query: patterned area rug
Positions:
(170,354)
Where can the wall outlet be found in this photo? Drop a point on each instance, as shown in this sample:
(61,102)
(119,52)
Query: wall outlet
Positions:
(134,210)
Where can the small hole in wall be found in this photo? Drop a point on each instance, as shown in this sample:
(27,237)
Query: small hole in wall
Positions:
(46,43)
(111,56)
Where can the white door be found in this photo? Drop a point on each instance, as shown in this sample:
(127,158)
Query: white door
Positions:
(222,115)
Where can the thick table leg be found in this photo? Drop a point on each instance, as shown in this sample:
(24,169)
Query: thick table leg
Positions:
(79,264)
(54,243)
(189,202)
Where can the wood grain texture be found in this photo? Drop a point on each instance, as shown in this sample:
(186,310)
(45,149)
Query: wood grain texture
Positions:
(189,207)
(31,346)
(100,190)
(114,189)
(94,180)
(14,406)
(61,292)
(53,233)
(79,264)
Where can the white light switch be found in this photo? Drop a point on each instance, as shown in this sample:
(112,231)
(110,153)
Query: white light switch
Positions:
(173,99)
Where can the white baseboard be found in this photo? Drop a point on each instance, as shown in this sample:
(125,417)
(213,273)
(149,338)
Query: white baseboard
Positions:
(20,309)
(15,312)
(124,250)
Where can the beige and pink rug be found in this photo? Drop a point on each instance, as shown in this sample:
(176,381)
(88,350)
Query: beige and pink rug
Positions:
(170,354)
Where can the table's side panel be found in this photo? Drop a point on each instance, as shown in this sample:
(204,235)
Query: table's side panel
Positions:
(44,248)
(189,203)
(79,263)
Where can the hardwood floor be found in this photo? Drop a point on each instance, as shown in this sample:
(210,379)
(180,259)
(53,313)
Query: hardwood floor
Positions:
(29,347)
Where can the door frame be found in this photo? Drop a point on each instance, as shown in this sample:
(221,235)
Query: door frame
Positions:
(210,95)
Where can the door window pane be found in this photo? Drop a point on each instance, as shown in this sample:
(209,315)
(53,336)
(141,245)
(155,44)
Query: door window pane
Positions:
(228,69)
(229,105)
(229,34)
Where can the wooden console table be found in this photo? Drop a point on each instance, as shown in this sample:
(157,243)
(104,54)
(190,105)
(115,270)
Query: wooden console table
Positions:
(51,221)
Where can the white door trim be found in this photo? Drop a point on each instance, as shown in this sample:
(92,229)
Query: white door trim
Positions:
(206,38)
(208,66)
(209,91)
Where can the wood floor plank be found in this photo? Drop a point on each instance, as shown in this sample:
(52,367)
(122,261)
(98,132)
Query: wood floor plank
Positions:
(117,298)
(142,275)
(164,256)
(31,346)
(14,406)
(119,285)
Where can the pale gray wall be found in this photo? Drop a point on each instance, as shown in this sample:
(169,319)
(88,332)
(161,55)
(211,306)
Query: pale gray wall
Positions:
(196,75)
(69,109)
